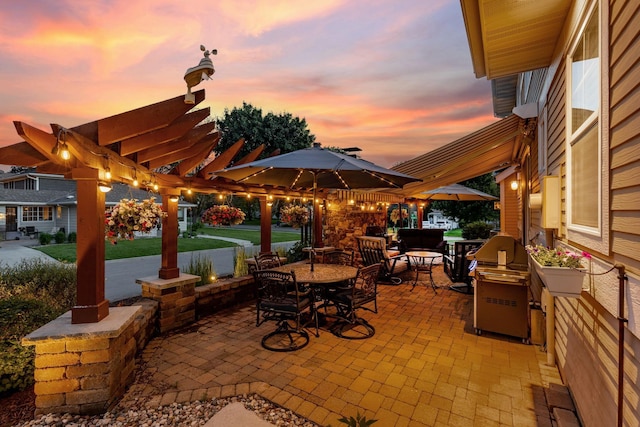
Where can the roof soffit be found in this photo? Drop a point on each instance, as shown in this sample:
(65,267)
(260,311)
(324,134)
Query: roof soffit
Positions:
(507,37)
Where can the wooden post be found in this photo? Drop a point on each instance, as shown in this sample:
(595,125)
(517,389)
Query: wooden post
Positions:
(420,213)
(169,269)
(91,306)
(265,224)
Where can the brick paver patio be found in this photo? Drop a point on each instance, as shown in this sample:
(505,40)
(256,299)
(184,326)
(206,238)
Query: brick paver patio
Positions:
(425,366)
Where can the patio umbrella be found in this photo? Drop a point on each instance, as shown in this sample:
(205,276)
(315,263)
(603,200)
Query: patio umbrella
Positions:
(313,168)
(457,192)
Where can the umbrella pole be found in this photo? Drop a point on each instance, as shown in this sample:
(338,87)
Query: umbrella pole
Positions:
(316,233)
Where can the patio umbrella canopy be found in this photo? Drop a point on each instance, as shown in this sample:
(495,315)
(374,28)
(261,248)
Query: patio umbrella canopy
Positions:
(457,192)
(313,168)
(316,167)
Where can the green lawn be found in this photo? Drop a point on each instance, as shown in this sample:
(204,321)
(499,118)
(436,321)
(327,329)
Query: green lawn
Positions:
(251,235)
(133,248)
(454,233)
(153,246)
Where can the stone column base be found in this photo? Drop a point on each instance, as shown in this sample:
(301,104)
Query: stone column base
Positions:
(176,298)
(84,368)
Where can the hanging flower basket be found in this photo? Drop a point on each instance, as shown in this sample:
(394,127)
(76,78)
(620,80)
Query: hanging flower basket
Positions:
(218,215)
(128,217)
(559,270)
(398,215)
(294,215)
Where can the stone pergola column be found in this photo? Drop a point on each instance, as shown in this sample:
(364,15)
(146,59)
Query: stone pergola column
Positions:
(91,305)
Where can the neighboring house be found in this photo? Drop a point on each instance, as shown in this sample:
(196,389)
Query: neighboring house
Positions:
(435,219)
(571,70)
(47,203)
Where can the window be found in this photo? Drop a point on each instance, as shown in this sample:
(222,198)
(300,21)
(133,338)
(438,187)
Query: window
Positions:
(583,154)
(37,213)
(10,185)
(30,183)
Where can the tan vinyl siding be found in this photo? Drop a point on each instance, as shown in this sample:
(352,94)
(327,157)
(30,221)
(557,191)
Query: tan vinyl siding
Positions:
(587,332)
(625,131)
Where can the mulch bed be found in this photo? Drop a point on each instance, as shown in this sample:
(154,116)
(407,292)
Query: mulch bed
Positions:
(17,407)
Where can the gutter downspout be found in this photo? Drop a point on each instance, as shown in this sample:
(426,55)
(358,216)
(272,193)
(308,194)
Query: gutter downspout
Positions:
(622,277)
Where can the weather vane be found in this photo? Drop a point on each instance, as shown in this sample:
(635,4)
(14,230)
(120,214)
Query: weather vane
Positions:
(194,75)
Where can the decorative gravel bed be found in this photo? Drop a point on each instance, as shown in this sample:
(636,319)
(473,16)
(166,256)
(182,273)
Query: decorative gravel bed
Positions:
(177,414)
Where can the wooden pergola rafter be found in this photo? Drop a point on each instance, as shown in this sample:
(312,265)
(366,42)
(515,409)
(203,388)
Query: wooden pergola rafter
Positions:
(134,145)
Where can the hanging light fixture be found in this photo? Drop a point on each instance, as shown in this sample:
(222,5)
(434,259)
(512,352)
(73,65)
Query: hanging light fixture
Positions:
(104,186)
(61,149)
(174,198)
(107,173)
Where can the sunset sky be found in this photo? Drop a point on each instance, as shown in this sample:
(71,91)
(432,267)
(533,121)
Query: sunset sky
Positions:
(391,77)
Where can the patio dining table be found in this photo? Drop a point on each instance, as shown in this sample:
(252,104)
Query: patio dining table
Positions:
(322,278)
(322,274)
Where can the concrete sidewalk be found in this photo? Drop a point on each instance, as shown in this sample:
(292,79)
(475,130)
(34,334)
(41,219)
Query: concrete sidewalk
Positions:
(14,251)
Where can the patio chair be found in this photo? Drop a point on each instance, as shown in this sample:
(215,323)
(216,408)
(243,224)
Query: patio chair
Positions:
(339,256)
(373,250)
(267,260)
(362,293)
(280,298)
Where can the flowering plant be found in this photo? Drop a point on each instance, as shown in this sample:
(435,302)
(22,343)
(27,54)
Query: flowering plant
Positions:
(557,257)
(294,215)
(223,215)
(396,215)
(129,216)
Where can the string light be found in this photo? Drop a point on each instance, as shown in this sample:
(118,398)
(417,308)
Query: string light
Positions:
(107,173)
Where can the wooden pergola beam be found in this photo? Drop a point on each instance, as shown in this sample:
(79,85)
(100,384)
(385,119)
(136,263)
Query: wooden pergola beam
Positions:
(222,160)
(23,154)
(251,156)
(183,154)
(185,142)
(157,138)
(188,164)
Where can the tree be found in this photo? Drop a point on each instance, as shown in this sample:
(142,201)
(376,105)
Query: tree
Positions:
(282,131)
(467,212)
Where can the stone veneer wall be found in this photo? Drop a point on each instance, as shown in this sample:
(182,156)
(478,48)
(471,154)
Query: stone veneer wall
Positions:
(226,293)
(344,222)
(176,298)
(85,371)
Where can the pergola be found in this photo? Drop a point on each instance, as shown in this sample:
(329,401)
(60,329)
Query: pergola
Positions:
(169,136)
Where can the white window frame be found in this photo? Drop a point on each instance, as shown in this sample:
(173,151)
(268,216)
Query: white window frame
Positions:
(36,214)
(542,142)
(596,238)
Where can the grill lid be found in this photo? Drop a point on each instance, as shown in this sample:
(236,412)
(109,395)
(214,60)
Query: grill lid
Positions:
(516,253)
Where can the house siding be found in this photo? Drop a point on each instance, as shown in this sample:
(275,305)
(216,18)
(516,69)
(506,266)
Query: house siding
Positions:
(586,328)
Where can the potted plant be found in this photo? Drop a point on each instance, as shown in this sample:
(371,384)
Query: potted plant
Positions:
(129,217)
(559,269)
(294,215)
(223,215)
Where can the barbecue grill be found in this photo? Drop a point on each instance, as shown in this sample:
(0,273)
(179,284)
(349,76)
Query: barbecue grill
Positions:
(501,297)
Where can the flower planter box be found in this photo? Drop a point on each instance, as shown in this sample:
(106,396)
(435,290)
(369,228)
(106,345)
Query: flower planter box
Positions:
(560,281)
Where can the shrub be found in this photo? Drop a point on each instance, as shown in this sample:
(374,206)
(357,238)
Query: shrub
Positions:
(18,317)
(72,237)
(32,293)
(295,253)
(45,238)
(201,266)
(477,230)
(239,262)
(59,237)
(51,282)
